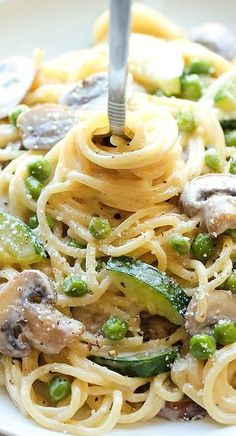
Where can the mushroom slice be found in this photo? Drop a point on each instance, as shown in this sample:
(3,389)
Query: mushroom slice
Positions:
(16,77)
(48,330)
(88,94)
(185,409)
(43,126)
(92,93)
(214,198)
(221,305)
(217,38)
(28,317)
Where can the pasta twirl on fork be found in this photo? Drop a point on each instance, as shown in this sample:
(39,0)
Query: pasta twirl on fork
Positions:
(117,256)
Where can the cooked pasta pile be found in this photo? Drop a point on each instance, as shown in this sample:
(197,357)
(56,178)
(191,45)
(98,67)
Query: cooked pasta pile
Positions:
(135,184)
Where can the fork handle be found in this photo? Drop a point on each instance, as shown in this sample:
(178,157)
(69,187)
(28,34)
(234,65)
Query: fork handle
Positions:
(118,52)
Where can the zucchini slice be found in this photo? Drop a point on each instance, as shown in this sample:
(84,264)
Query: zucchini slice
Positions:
(228,124)
(18,244)
(150,288)
(144,365)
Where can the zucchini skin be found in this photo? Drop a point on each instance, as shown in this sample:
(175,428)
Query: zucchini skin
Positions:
(151,288)
(18,243)
(228,124)
(143,365)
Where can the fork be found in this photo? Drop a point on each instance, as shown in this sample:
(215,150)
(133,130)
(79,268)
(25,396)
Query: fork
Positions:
(118,54)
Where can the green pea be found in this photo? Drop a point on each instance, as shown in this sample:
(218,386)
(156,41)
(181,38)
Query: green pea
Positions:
(33,187)
(33,222)
(230,283)
(59,388)
(203,246)
(75,244)
(180,243)
(74,286)
(99,228)
(202,346)
(115,329)
(225,332)
(230,138)
(192,87)
(198,66)
(212,160)
(186,120)
(232,165)
(40,169)
(14,114)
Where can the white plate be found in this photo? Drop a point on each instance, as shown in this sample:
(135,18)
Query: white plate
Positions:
(62,25)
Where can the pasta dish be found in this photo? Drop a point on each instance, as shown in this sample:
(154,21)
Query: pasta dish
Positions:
(118,253)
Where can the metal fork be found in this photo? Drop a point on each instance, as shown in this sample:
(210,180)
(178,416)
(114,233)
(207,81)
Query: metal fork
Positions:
(118,54)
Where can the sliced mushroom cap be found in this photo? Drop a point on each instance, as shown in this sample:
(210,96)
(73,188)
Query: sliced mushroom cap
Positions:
(88,94)
(28,317)
(92,319)
(221,305)
(185,409)
(48,330)
(217,38)
(16,77)
(213,196)
(92,93)
(42,127)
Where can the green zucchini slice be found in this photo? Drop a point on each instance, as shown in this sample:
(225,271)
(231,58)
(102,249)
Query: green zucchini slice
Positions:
(144,365)
(150,288)
(18,244)
(228,124)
